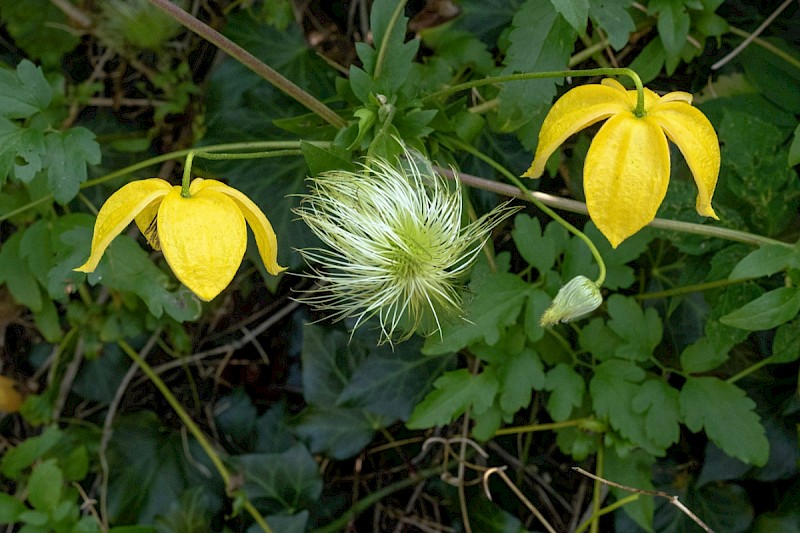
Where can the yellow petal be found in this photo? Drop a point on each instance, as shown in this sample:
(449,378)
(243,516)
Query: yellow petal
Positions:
(650,98)
(626,174)
(694,135)
(266,241)
(577,109)
(203,238)
(118,211)
(10,399)
(146,222)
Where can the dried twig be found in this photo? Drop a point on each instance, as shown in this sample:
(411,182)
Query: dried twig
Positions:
(500,471)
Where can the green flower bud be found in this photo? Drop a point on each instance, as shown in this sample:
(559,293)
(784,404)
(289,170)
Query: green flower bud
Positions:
(579,297)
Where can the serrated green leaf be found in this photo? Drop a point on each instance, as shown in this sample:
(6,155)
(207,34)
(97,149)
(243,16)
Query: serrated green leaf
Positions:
(659,403)
(16,275)
(21,151)
(728,417)
(45,486)
(339,432)
(519,375)
(618,274)
(599,340)
(786,346)
(454,392)
(24,92)
(288,481)
(538,302)
(612,16)
(639,330)
(537,250)
(68,153)
(767,311)
(495,306)
(704,355)
(566,391)
(396,55)
(574,11)
(765,261)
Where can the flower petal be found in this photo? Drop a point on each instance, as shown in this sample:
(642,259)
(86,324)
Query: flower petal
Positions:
(694,135)
(626,174)
(203,238)
(118,211)
(266,240)
(577,109)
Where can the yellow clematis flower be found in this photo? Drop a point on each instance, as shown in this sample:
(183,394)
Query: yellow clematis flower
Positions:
(203,236)
(626,172)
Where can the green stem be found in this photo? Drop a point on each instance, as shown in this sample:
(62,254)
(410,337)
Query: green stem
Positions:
(187,167)
(608,509)
(192,427)
(639,110)
(384,47)
(276,145)
(541,427)
(597,493)
(250,61)
(750,369)
(698,287)
(533,198)
(575,206)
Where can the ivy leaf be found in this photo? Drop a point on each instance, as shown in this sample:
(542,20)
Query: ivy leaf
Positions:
(328,362)
(454,392)
(640,330)
(24,92)
(574,11)
(519,375)
(660,404)
(339,432)
(566,391)
(767,311)
(68,153)
(541,40)
(727,415)
(612,16)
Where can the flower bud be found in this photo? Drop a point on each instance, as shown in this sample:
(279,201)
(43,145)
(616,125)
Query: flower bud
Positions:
(579,297)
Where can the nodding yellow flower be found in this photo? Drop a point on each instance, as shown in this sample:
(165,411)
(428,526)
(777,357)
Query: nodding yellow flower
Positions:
(626,172)
(10,399)
(203,236)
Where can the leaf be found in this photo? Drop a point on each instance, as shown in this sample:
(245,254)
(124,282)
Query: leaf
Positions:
(574,11)
(618,274)
(397,56)
(273,431)
(16,275)
(659,403)
(612,16)
(24,92)
(21,151)
(728,417)
(634,470)
(794,149)
(235,418)
(10,508)
(538,302)
(540,40)
(519,375)
(191,513)
(495,306)
(786,346)
(537,250)
(766,260)
(288,481)
(722,507)
(323,160)
(566,388)
(339,432)
(704,355)
(767,311)
(41,29)
(673,27)
(68,153)
(295,523)
(454,392)
(45,486)
(488,517)
(28,451)
(328,361)
(639,330)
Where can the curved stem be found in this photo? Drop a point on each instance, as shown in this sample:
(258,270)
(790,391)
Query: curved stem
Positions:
(698,287)
(638,110)
(601,277)
(250,61)
(187,167)
(216,460)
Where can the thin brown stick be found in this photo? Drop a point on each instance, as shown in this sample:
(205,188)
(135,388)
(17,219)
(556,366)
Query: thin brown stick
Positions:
(500,471)
(670,497)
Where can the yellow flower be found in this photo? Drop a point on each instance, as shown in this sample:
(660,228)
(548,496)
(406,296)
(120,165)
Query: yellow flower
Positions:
(10,399)
(203,236)
(626,172)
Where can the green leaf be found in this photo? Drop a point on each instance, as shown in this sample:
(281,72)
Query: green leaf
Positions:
(659,403)
(650,61)
(766,260)
(538,302)
(16,275)
(767,311)
(10,508)
(704,355)
(296,523)
(794,149)
(639,330)
(618,274)
(612,16)
(633,470)
(41,29)
(599,340)
(235,418)
(68,153)
(495,306)
(519,375)
(21,151)
(487,517)
(398,56)
(454,392)
(288,481)
(786,346)
(323,159)
(727,415)
(339,432)
(28,451)
(673,26)
(540,40)
(722,507)
(45,486)
(537,250)
(75,465)
(24,92)
(328,361)
(574,11)
(776,78)
(191,513)
(566,388)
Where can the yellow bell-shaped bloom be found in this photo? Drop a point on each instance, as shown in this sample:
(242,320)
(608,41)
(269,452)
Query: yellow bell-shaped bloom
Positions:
(203,236)
(627,167)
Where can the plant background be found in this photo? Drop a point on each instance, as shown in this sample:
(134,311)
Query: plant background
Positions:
(684,382)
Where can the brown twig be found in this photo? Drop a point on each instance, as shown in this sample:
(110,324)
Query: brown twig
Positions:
(500,471)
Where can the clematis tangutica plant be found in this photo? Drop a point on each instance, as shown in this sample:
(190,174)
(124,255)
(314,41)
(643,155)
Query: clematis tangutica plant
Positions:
(203,235)
(627,167)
